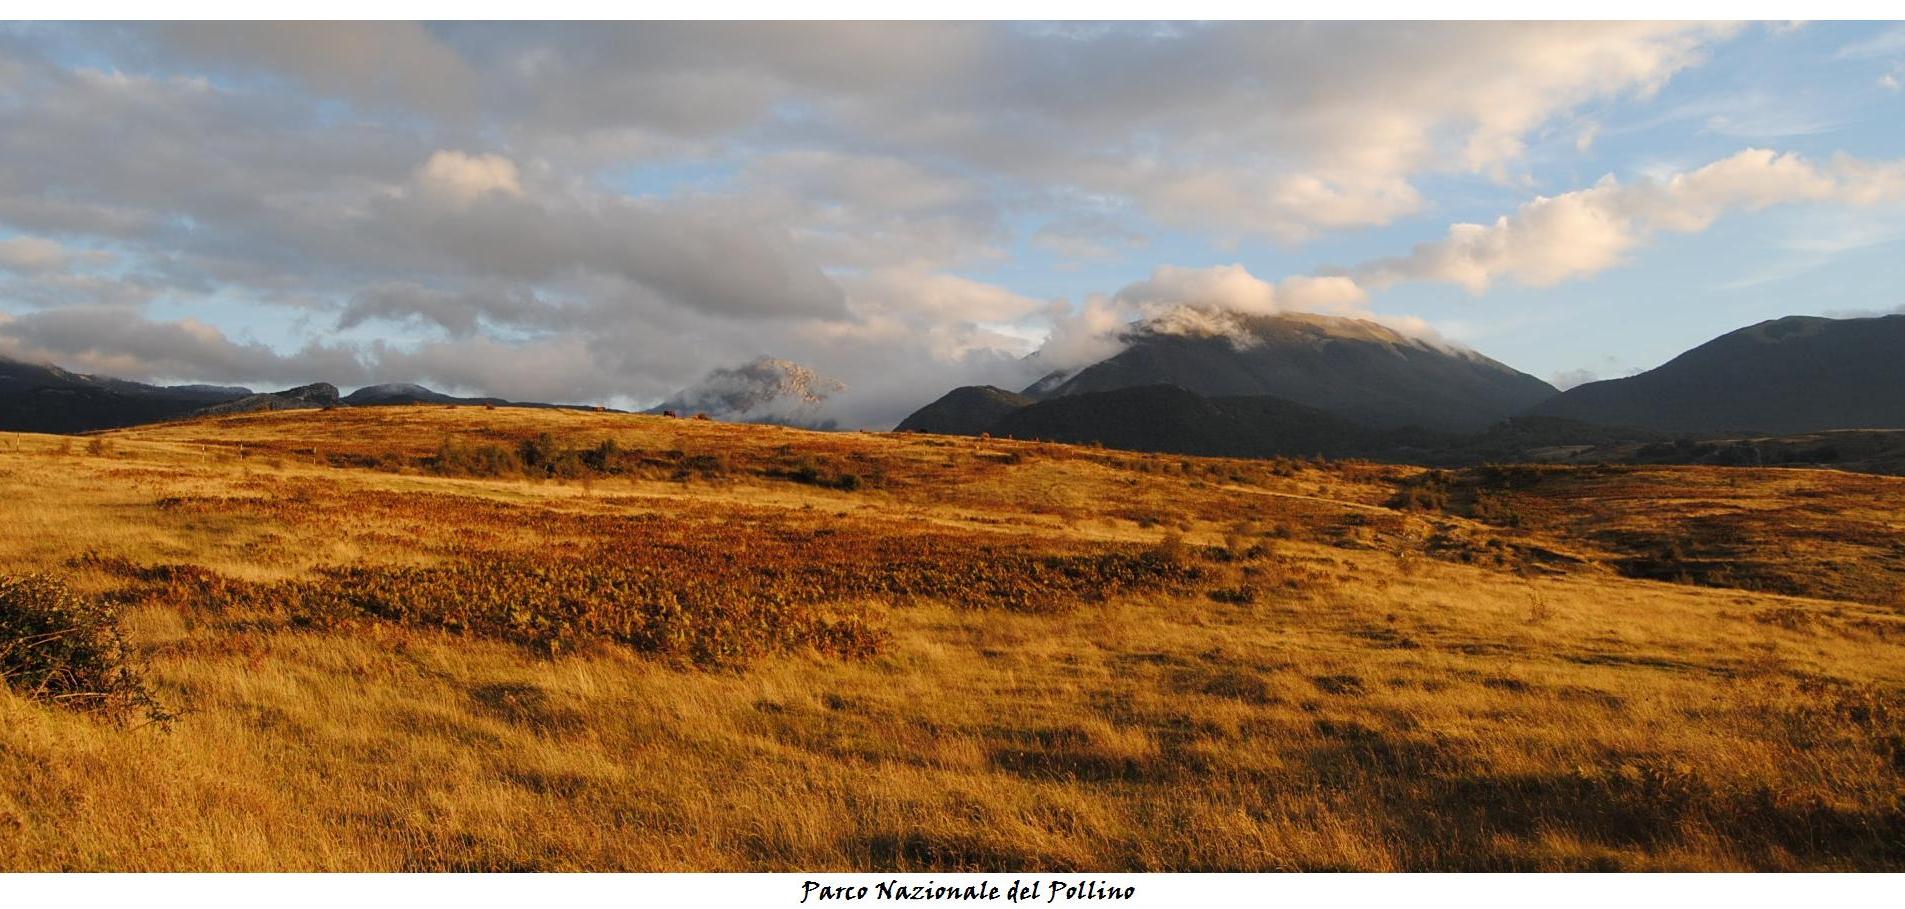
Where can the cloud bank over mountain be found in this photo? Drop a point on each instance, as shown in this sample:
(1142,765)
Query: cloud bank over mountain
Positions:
(605,213)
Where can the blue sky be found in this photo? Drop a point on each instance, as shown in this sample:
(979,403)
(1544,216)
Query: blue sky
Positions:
(1787,88)
(608,213)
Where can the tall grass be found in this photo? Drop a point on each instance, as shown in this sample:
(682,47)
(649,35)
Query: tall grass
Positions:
(990,655)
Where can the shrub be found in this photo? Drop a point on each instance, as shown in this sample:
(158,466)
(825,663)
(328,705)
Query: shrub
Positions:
(1428,491)
(458,459)
(1170,549)
(604,458)
(804,471)
(58,647)
(1496,510)
(712,594)
(559,606)
(708,466)
(1240,595)
(808,471)
(538,453)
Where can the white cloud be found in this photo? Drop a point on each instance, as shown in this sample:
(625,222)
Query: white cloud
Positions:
(372,63)
(1233,288)
(1084,334)
(459,179)
(1584,138)
(1279,129)
(603,212)
(1570,378)
(559,369)
(1884,43)
(32,255)
(1205,301)
(1087,236)
(112,341)
(1898,310)
(1289,207)
(458,313)
(937,297)
(1579,233)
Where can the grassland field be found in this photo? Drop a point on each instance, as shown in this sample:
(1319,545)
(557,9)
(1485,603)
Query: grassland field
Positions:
(462,638)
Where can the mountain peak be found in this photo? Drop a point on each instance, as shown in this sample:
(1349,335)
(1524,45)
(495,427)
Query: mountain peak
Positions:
(303,397)
(765,388)
(1245,329)
(966,411)
(1356,368)
(393,388)
(1795,374)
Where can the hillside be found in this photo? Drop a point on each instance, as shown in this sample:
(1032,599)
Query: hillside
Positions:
(1793,375)
(1164,418)
(304,397)
(42,398)
(1353,369)
(45,398)
(406,393)
(968,411)
(458,638)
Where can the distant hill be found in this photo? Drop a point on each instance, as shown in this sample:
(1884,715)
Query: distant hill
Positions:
(304,397)
(208,392)
(966,411)
(1163,418)
(1166,418)
(1793,375)
(1172,420)
(407,393)
(1354,369)
(1541,439)
(37,397)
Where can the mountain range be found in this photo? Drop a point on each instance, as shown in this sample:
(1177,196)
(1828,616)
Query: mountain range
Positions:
(38,397)
(1197,381)
(1793,375)
(42,398)
(1251,384)
(1356,369)
(1171,419)
(1308,384)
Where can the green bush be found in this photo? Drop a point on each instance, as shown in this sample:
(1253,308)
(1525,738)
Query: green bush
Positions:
(61,648)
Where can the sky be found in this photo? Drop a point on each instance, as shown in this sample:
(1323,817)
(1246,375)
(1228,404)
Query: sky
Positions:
(609,213)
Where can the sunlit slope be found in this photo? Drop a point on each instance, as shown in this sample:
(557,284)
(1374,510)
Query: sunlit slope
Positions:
(470,638)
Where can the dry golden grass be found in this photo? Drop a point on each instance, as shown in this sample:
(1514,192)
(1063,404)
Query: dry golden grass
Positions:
(1079,659)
